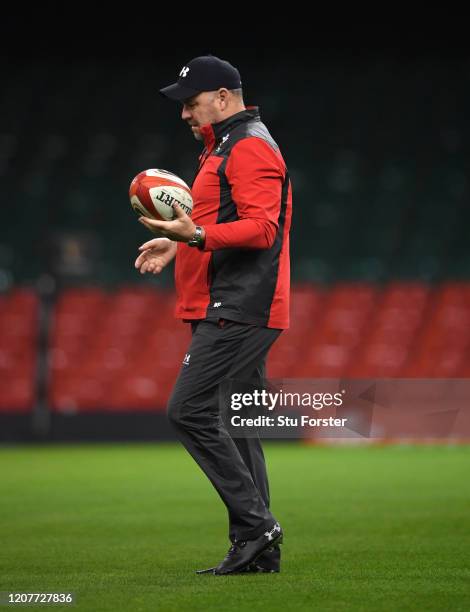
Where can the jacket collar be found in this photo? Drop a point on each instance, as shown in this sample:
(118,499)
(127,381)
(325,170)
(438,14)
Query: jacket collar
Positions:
(212,132)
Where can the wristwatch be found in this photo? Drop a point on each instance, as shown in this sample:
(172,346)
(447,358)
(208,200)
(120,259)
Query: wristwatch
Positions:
(197,240)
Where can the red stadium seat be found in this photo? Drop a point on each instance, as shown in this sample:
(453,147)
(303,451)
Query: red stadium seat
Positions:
(119,344)
(19,311)
(122,350)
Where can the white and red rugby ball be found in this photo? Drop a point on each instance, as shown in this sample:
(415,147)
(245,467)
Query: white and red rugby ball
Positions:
(153,192)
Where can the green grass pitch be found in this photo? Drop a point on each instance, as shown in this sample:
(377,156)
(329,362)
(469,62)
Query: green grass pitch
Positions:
(125,526)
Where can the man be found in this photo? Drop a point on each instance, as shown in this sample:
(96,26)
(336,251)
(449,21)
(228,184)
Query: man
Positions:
(232,282)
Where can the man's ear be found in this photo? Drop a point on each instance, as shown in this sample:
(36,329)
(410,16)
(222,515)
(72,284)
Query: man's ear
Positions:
(223,98)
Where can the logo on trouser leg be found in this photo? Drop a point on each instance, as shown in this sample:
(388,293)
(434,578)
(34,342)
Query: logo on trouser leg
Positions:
(186,359)
(272,534)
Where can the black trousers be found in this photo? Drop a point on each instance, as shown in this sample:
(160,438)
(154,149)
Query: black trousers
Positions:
(235,466)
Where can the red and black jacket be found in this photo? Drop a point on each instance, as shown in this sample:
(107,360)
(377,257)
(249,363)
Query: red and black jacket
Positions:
(242,196)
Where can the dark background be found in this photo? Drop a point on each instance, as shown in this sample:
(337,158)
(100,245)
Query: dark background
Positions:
(374,132)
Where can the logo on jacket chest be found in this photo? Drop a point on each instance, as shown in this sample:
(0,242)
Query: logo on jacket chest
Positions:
(222,142)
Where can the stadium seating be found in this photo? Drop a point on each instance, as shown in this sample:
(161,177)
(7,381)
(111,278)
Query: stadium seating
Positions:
(114,351)
(121,350)
(19,311)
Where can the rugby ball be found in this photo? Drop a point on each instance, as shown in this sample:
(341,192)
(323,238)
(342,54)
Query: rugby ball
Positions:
(153,192)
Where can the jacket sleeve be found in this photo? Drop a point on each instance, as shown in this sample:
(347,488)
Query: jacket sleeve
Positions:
(255,172)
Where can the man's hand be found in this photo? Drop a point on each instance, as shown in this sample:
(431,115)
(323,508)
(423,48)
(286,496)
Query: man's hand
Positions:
(155,255)
(180,229)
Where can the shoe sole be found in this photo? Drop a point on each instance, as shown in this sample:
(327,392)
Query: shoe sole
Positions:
(259,570)
(209,570)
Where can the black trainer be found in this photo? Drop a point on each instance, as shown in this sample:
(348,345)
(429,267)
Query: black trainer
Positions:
(269,562)
(243,552)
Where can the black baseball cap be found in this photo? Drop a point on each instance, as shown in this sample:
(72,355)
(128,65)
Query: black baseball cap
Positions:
(204,73)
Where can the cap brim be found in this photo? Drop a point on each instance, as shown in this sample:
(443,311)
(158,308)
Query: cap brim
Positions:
(178,92)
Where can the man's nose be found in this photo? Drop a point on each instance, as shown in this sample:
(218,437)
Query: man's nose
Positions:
(185,114)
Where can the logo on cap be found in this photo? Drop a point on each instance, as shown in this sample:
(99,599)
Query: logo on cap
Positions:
(184,71)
